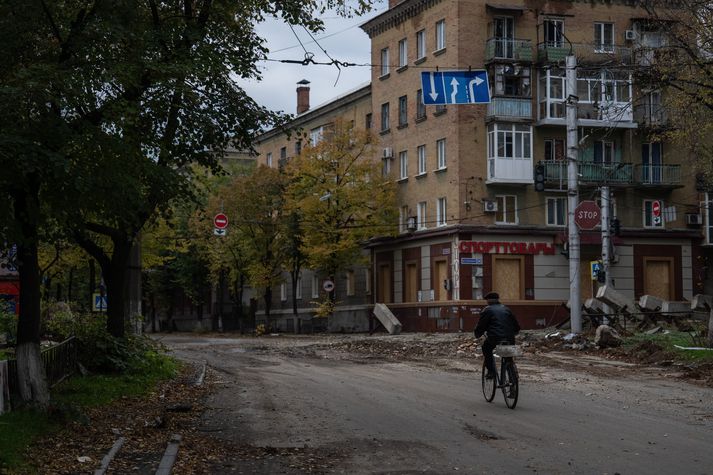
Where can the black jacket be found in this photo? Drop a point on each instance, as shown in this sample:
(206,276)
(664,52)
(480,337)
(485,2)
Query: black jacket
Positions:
(499,322)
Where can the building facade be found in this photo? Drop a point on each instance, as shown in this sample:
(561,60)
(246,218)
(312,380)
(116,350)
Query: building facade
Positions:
(471,219)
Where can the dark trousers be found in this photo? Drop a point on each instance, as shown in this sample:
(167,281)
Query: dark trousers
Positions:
(489,345)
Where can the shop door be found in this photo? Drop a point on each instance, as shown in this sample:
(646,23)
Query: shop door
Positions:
(658,277)
(384,285)
(411,283)
(508,277)
(440,274)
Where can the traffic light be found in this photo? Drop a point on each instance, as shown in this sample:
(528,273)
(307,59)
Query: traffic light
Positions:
(616,227)
(539,177)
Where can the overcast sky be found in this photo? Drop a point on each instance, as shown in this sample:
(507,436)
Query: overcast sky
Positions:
(342,39)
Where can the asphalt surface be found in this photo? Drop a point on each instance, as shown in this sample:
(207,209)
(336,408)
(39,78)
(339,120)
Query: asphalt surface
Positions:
(366,415)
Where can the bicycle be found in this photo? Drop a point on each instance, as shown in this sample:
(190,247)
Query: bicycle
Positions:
(507,379)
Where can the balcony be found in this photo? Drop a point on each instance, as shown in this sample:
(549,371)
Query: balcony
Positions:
(590,173)
(658,176)
(508,49)
(614,174)
(586,53)
(602,114)
(509,170)
(510,108)
(650,116)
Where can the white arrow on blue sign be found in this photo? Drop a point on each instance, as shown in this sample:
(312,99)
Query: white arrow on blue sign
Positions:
(455,87)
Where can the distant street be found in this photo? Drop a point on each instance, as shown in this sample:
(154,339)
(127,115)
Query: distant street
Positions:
(364,415)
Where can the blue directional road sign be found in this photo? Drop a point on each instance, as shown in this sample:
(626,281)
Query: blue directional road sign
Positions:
(455,87)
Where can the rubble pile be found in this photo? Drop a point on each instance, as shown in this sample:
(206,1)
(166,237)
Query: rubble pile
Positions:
(428,347)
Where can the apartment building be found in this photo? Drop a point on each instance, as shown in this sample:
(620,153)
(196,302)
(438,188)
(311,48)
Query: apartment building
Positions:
(471,218)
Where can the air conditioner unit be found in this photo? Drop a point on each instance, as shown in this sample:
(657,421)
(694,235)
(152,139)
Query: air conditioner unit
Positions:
(387,152)
(630,35)
(693,219)
(490,206)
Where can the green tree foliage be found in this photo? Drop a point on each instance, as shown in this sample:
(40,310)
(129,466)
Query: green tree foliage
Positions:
(343,200)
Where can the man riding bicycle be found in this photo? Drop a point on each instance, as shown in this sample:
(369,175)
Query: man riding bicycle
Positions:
(501,326)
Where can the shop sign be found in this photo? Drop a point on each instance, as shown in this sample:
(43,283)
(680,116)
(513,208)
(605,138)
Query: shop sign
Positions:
(494,247)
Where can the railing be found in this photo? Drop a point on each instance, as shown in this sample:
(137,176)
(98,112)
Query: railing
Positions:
(508,48)
(650,116)
(589,172)
(60,362)
(586,53)
(510,107)
(657,175)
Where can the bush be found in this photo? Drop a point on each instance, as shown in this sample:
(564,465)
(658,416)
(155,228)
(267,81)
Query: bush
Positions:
(8,323)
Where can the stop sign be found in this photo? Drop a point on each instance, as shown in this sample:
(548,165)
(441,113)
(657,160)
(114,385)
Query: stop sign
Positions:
(587,215)
(656,208)
(220,221)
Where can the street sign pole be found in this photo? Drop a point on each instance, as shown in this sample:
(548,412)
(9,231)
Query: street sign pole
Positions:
(605,235)
(575,299)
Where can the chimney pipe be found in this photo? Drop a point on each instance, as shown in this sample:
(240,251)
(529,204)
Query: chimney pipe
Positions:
(302,96)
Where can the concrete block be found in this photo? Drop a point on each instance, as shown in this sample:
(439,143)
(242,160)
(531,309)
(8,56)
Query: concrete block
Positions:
(650,302)
(594,306)
(390,322)
(616,300)
(702,302)
(675,309)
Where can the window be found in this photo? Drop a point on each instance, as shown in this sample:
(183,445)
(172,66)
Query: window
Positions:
(315,287)
(512,81)
(386,166)
(421,215)
(440,109)
(403,164)
(367,121)
(604,152)
(385,117)
(283,153)
(421,150)
(556,211)
(441,153)
(316,135)
(403,111)
(403,53)
(651,162)
(384,62)
(403,218)
(283,291)
(441,212)
(653,214)
(268,159)
(504,35)
(509,141)
(367,281)
(554,149)
(553,31)
(507,209)
(440,35)
(420,106)
(350,283)
(420,44)
(604,37)
(298,290)
(298,147)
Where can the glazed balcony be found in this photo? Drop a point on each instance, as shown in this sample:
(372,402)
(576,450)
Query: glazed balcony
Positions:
(503,49)
(510,108)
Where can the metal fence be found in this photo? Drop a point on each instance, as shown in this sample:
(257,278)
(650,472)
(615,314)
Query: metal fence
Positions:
(60,362)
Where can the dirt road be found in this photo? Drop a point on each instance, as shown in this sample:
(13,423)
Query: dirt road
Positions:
(309,404)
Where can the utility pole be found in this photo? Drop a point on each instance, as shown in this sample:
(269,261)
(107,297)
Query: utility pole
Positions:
(575,299)
(606,236)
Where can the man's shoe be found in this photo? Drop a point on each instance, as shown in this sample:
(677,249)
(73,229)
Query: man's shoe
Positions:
(489,375)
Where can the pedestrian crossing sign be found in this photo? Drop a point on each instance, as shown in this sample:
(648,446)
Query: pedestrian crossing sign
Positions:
(99,302)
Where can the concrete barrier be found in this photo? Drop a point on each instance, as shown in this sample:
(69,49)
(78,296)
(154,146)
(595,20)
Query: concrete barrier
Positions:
(675,309)
(650,302)
(390,322)
(617,301)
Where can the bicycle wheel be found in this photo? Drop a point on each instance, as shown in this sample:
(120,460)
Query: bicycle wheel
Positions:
(488,385)
(510,383)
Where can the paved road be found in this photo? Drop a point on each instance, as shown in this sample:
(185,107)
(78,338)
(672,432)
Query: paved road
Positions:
(377,417)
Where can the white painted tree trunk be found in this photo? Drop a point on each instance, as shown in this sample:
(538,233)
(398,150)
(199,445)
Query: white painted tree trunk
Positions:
(710,329)
(32,380)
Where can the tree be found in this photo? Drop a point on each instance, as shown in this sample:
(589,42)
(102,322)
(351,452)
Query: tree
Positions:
(343,198)
(103,107)
(682,69)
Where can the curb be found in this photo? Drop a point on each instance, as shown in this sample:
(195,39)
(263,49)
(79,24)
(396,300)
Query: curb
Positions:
(169,456)
(110,456)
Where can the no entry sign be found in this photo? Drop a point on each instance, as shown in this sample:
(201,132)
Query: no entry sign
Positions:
(220,221)
(587,215)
